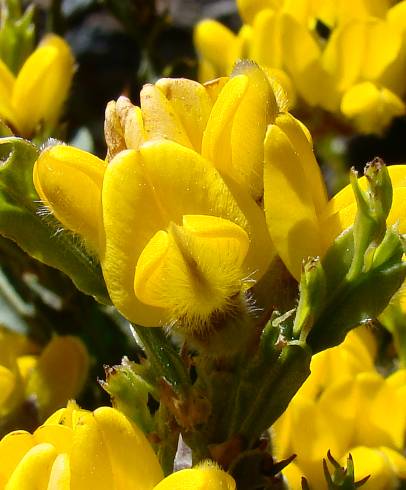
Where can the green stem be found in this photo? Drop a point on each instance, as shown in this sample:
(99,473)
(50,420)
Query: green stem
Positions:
(164,358)
(276,391)
(55,19)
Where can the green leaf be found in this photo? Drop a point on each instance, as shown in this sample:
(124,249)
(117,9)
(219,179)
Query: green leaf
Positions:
(41,236)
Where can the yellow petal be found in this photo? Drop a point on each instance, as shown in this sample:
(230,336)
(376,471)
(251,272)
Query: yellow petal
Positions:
(69,181)
(7,383)
(13,447)
(216,145)
(59,374)
(382,48)
(372,108)
(266,48)
(34,469)
(131,122)
(293,129)
(256,110)
(204,477)
(25,365)
(113,131)
(397,461)
(289,208)
(133,462)
(191,103)
(368,461)
(344,53)
(59,479)
(60,436)
(383,417)
(249,9)
(302,56)
(217,44)
(310,441)
(141,197)
(396,16)
(193,270)
(89,458)
(397,379)
(293,475)
(160,118)
(7,81)
(214,87)
(42,84)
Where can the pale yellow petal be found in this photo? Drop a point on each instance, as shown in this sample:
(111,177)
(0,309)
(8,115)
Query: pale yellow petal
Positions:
(13,447)
(60,373)
(7,81)
(191,103)
(371,107)
(89,457)
(256,110)
(216,145)
(217,44)
(133,461)
(59,479)
(369,461)
(293,129)
(292,220)
(34,469)
(160,118)
(203,477)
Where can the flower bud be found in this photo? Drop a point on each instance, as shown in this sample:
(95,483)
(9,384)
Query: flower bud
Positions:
(42,85)
(69,182)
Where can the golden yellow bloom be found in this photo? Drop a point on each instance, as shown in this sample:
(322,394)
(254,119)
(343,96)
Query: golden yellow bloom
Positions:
(176,215)
(355,69)
(76,449)
(173,219)
(302,223)
(35,97)
(50,377)
(352,409)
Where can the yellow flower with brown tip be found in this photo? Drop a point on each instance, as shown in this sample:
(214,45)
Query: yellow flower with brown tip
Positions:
(34,99)
(77,450)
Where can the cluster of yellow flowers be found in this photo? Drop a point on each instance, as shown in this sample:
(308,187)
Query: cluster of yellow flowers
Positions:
(182,241)
(352,409)
(205,188)
(80,450)
(347,58)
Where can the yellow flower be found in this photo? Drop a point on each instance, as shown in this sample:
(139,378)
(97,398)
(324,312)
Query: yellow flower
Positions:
(176,214)
(354,69)
(302,223)
(35,97)
(50,377)
(352,409)
(76,449)
(173,219)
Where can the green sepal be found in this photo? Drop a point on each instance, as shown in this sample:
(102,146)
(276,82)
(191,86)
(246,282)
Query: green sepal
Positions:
(363,298)
(41,236)
(360,272)
(129,392)
(341,478)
